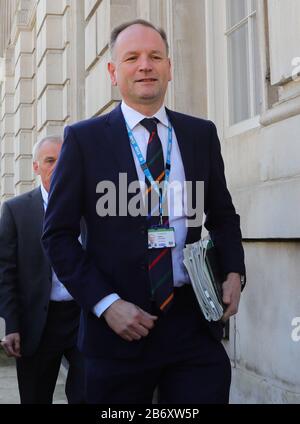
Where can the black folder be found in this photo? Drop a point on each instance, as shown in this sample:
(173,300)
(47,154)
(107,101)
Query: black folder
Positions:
(214,268)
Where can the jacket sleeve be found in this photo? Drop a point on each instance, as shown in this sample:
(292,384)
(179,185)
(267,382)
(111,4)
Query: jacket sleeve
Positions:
(72,264)
(8,271)
(222,221)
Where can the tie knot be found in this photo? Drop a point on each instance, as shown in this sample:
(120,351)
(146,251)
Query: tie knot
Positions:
(150,124)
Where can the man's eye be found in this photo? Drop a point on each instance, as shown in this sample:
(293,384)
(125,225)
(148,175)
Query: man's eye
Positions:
(131,59)
(156,57)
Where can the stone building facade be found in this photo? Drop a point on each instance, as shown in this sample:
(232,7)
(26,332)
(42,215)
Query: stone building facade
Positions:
(236,62)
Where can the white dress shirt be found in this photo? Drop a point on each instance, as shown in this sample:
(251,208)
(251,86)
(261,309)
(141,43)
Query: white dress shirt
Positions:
(58,290)
(177,215)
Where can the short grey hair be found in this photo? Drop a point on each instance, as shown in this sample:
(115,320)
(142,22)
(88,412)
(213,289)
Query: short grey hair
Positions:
(117,30)
(49,138)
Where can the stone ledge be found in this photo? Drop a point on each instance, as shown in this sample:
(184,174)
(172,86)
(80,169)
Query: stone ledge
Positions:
(250,388)
(281,111)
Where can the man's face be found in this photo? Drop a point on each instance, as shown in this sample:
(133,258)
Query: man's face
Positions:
(44,165)
(140,66)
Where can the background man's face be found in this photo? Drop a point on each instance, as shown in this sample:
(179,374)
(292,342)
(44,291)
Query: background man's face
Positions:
(46,160)
(140,66)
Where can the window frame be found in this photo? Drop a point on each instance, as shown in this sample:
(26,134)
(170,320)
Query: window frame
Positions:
(253,120)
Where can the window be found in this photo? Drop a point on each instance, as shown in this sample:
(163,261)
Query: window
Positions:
(245,91)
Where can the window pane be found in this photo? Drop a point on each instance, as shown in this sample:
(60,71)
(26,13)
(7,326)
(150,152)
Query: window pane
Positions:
(236,11)
(238,63)
(256,64)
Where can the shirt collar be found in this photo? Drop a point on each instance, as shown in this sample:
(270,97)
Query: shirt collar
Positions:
(44,195)
(133,117)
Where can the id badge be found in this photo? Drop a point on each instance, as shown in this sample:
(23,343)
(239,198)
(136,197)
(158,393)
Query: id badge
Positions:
(160,237)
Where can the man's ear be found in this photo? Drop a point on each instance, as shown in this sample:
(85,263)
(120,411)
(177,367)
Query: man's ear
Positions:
(170,70)
(111,67)
(35,166)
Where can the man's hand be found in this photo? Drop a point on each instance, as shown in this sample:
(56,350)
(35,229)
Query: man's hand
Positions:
(128,320)
(231,294)
(11,345)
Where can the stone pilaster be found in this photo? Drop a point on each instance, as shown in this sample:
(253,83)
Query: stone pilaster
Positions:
(100,18)
(52,81)
(24,109)
(7,127)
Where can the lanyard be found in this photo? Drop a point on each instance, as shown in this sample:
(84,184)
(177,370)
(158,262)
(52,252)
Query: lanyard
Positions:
(145,168)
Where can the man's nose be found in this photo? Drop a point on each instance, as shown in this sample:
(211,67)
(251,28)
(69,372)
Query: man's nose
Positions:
(145,64)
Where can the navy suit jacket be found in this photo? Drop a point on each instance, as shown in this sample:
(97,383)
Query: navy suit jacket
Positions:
(115,256)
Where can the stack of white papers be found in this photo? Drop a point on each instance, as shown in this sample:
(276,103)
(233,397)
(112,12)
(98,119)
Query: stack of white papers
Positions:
(201,276)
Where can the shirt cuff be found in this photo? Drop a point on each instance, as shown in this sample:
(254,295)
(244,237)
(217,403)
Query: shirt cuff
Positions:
(105,303)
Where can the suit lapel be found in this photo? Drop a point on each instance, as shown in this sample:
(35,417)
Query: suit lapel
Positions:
(37,208)
(185,143)
(120,143)
(185,138)
(39,212)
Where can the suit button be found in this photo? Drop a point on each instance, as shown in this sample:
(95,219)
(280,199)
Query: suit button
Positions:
(143,230)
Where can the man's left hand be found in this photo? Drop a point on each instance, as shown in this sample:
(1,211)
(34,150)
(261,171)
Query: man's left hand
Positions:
(231,294)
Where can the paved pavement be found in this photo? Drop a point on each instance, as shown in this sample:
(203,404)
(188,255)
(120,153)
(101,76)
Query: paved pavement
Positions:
(9,387)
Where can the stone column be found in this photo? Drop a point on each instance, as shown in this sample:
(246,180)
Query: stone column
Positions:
(100,18)
(24,109)
(52,79)
(7,127)
(184,21)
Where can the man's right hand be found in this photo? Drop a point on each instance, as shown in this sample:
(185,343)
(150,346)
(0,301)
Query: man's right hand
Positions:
(128,320)
(11,344)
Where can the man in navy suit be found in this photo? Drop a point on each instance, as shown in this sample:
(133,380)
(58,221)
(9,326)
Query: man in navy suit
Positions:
(141,326)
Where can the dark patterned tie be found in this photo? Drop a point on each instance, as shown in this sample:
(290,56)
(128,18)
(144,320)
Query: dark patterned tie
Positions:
(160,260)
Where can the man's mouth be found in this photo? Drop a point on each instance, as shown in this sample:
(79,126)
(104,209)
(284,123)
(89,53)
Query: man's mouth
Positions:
(146,80)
